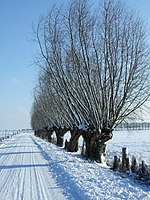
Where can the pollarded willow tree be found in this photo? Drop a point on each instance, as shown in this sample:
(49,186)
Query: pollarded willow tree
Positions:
(97,61)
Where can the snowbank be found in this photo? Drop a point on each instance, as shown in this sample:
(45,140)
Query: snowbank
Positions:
(93,181)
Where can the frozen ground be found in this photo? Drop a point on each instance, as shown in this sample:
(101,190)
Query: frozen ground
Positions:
(25,173)
(137,142)
(32,169)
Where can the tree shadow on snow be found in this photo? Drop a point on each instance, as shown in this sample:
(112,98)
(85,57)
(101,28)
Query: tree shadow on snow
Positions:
(8,147)
(18,153)
(63,179)
(22,166)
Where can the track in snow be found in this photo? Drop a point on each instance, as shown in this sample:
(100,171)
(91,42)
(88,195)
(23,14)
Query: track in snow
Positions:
(24,173)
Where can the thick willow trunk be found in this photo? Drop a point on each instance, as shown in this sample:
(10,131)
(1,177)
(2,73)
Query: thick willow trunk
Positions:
(73,143)
(100,152)
(89,141)
(100,146)
(38,133)
(49,134)
(60,132)
(94,141)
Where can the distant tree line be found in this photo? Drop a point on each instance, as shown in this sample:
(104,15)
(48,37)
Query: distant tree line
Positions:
(133,126)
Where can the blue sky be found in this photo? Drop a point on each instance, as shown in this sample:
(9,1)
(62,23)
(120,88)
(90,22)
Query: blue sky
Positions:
(17,75)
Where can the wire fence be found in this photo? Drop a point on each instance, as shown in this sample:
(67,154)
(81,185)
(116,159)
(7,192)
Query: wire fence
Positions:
(133,126)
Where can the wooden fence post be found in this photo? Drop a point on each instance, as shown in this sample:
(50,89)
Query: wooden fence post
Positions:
(116,163)
(124,159)
(127,163)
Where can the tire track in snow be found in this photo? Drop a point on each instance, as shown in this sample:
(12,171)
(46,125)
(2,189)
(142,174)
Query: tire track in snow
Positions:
(4,151)
(42,182)
(7,161)
(12,181)
(21,178)
(25,173)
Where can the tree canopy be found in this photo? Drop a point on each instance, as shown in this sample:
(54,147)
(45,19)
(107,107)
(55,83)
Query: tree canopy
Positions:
(94,65)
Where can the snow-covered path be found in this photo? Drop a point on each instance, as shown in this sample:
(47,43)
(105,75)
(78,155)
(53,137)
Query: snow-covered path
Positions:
(24,172)
(33,169)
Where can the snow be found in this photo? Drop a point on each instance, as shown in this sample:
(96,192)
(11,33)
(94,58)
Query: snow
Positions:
(33,169)
(83,127)
(137,142)
(24,173)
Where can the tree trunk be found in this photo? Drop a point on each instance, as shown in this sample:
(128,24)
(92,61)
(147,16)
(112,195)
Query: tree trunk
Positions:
(49,134)
(73,143)
(60,132)
(90,148)
(100,152)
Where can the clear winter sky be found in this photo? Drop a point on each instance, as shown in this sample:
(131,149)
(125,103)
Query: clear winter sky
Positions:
(17,74)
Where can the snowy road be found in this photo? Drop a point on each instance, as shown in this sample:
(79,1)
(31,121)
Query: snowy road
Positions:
(25,173)
(33,169)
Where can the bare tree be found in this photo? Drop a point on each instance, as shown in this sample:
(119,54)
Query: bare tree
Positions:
(97,62)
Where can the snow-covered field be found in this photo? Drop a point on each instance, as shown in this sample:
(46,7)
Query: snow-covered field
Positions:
(137,142)
(32,169)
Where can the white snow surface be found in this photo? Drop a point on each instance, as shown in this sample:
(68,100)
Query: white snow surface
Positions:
(33,169)
(137,142)
(25,173)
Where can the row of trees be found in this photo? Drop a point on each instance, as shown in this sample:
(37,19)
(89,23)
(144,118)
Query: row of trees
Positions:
(94,70)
